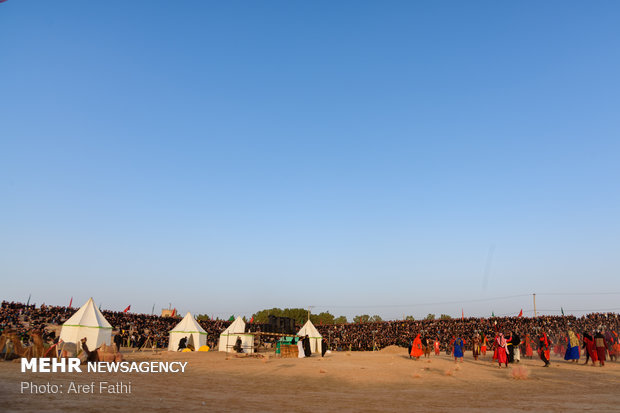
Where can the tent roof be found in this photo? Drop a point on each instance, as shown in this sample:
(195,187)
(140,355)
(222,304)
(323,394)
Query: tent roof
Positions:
(237,326)
(88,316)
(188,325)
(310,330)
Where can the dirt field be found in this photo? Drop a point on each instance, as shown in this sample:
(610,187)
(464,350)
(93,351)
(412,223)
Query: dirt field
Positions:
(359,381)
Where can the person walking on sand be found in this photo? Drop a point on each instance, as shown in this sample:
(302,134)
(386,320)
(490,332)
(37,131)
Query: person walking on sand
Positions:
(501,351)
(529,352)
(458,349)
(544,346)
(590,349)
(416,348)
(476,346)
(516,349)
(572,349)
(601,346)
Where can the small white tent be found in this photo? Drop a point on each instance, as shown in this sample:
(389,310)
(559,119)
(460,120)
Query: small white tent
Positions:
(228,338)
(188,327)
(87,322)
(313,334)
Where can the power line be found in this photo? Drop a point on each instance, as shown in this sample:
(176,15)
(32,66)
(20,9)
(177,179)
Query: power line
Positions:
(608,293)
(463,301)
(425,304)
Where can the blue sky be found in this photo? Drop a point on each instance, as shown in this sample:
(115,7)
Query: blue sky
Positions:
(359,157)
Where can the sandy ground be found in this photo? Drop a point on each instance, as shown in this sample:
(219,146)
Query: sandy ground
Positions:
(354,382)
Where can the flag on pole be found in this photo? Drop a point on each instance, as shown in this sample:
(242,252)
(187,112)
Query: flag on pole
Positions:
(28,300)
(520,313)
(232,318)
(153,310)
(492,313)
(173,312)
(252,319)
(562,310)
(127,309)
(462,315)
(70,302)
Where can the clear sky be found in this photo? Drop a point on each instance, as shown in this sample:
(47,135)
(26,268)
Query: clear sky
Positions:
(357,156)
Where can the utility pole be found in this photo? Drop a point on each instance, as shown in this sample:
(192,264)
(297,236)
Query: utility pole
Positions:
(535,314)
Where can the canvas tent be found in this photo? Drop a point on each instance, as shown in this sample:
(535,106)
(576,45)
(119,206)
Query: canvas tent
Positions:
(87,322)
(188,327)
(228,338)
(313,334)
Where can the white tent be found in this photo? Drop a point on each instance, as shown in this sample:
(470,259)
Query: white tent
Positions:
(228,338)
(90,323)
(313,334)
(188,327)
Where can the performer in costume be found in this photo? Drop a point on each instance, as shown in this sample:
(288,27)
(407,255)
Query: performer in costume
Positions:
(476,346)
(483,347)
(544,345)
(511,348)
(572,350)
(529,352)
(458,349)
(306,344)
(601,346)
(436,344)
(588,344)
(501,350)
(416,348)
(611,341)
(427,345)
(516,341)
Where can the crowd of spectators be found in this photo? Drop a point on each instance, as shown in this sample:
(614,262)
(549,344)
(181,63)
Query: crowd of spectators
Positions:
(370,336)
(136,330)
(140,329)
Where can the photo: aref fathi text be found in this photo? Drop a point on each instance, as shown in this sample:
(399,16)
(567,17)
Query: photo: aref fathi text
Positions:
(102,387)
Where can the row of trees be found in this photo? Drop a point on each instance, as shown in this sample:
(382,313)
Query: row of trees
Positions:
(301,315)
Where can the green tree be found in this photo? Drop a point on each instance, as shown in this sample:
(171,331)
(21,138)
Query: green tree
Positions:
(410,318)
(340,320)
(375,319)
(322,318)
(445,317)
(364,318)
(430,316)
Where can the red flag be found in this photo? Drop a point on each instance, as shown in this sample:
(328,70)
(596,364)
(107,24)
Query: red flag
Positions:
(127,309)
(70,302)
(252,319)
(173,312)
(520,313)
(462,315)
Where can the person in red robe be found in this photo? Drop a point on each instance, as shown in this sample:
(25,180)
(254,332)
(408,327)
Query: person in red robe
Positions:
(544,346)
(529,352)
(501,349)
(416,347)
(601,346)
(588,344)
(483,347)
(436,344)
